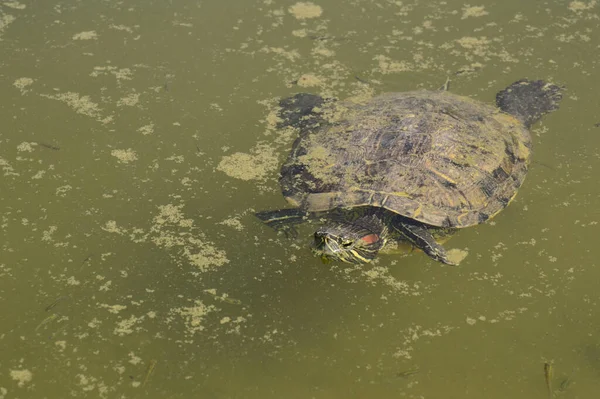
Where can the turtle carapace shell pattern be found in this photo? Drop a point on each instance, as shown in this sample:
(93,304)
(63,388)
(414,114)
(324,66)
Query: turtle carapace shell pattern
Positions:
(432,156)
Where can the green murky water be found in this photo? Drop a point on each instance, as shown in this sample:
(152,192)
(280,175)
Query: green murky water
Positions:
(137,140)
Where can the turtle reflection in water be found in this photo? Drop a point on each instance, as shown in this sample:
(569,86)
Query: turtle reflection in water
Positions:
(411,166)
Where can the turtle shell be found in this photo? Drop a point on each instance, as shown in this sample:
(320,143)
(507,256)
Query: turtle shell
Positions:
(433,156)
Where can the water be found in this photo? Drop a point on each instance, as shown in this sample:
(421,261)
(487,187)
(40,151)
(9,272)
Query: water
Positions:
(137,140)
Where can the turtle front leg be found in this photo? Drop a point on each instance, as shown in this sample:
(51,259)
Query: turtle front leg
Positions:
(422,238)
(283,220)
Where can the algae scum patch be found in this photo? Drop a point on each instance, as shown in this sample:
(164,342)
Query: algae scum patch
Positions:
(258,165)
(171,231)
(305,10)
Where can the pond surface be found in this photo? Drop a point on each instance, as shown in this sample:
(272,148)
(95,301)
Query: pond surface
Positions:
(138,138)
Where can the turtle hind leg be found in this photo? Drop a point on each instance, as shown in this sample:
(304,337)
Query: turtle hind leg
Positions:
(283,220)
(529,100)
(298,111)
(422,238)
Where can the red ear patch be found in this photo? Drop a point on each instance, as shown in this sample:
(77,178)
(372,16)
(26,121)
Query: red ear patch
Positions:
(370,239)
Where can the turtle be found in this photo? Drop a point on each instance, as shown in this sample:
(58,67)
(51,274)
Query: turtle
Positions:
(411,166)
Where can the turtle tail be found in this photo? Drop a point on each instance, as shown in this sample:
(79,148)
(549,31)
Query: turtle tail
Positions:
(529,100)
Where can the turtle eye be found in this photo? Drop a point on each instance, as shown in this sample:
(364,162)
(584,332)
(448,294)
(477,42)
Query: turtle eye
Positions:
(347,244)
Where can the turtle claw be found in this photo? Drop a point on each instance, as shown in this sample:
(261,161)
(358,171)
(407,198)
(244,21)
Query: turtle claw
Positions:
(446,261)
(290,232)
(283,220)
(287,228)
(419,236)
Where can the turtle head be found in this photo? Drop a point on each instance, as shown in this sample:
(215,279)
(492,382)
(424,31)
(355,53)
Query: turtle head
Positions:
(357,241)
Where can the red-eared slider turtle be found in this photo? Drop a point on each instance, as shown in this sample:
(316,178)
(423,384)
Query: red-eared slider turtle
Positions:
(405,165)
